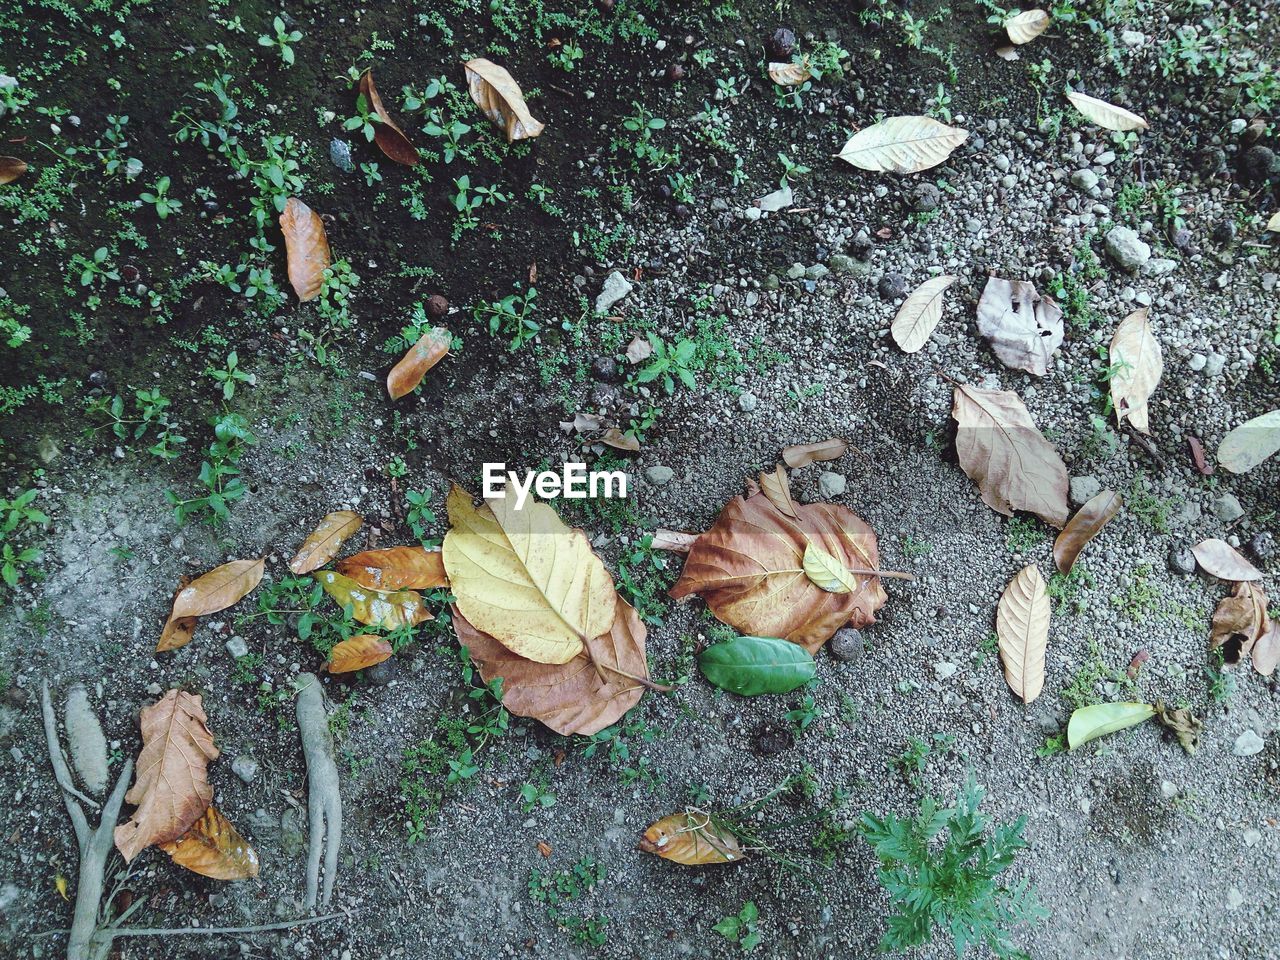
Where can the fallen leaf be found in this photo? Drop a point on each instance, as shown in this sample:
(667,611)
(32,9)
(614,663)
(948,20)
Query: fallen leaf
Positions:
(676,541)
(1198,457)
(1249,444)
(1084,526)
(177,631)
(1023,328)
(497,94)
(322,544)
(306,248)
(1105,114)
(826,572)
(391,140)
(803,454)
(357,653)
(582,423)
(1218,558)
(1266,651)
(777,488)
(389,610)
(1273,224)
(1026,26)
(639,350)
(1183,723)
(613,437)
(1001,450)
(544,848)
(1008,52)
(580,697)
(1239,622)
(216,590)
(1099,719)
(750,666)
(919,314)
(693,839)
(11,168)
(902,145)
(171,785)
(525,578)
(60,884)
(1136,367)
(777,200)
(214,848)
(396,568)
(432,347)
(1136,662)
(790,74)
(1022,624)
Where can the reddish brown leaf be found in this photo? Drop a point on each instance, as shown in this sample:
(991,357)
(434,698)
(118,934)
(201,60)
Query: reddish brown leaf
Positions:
(322,544)
(390,139)
(177,632)
(1135,664)
(544,848)
(1198,457)
(306,247)
(1084,526)
(693,839)
(11,168)
(214,848)
(801,455)
(396,568)
(431,348)
(357,653)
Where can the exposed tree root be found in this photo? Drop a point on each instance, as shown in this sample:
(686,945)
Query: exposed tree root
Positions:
(324,801)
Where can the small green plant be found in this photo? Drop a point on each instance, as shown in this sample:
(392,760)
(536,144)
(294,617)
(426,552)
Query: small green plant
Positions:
(150,415)
(219,473)
(16,516)
(1023,534)
(669,363)
(158,197)
(536,796)
(806,712)
(229,375)
(282,38)
(914,760)
(791,171)
(1222,685)
(420,516)
(742,928)
(559,889)
(511,317)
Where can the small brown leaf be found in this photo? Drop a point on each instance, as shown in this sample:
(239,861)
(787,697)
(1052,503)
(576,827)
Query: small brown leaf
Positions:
(432,347)
(801,455)
(693,839)
(1022,624)
(1239,622)
(11,168)
(777,487)
(1220,559)
(1183,724)
(177,632)
(396,568)
(1266,651)
(306,247)
(322,544)
(544,848)
(498,95)
(391,140)
(790,74)
(676,541)
(1084,526)
(218,589)
(1198,456)
(214,848)
(1136,662)
(615,438)
(357,653)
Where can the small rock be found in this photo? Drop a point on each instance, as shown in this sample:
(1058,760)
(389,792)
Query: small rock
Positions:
(925,198)
(293,839)
(1084,489)
(1225,232)
(1251,836)
(605,370)
(340,155)
(1214,364)
(237,648)
(616,286)
(1247,744)
(831,484)
(1235,899)
(892,286)
(1263,546)
(1260,164)
(659,475)
(944,670)
(846,645)
(1168,789)
(842,263)
(1197,362)
(1084,180)
(380,674)
(795,271)
(1182,560)
(816,272)
(1127,249)
(1227,508)
(48,450)
(747,401)
(245,767)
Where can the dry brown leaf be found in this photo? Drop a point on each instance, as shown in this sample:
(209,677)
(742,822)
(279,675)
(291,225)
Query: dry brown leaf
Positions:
(803,454)
(580,697)
(357,653)
(675,541)
(214,848)
(1266,651)
(11,168)
(1137,365)
(178,631)
(544,848)
(497,94)
(1198,457)
(693,839)
(790,74)
(1220,559)
(306,247)
(1105,114)
(777,487)
(613,437)
(171,786)
(218,589)
(1022,624)
(1084,526)
(322,544)
(1022,327)
(396,568)
(639,350)
(391,140)
(902,145)
(1239,622)
(1026,26)
(432,347)
(919,314)
(1001,451)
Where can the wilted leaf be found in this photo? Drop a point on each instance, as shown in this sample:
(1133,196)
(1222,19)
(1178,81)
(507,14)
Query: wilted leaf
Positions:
(1026,26)
(1008,52)
(357,653)
(613,437)
(902,145)
(790,74)
(1136,367)
(1198,457)
(214,848)
(322,544)
(525,578)
(396,568)
(498,95)
(432,347)
(1250,443)
(1022,624)
(754,665)
(1099,719)
(676,541)
(1220,559)
(216,590)
(178,631)
(803,454)
(1183,724)
(1105,114)
(1001,451)
(391,140)
(1266,651)
(826,572)
(1023,328)
(306,247)
(389,610)
(171,786)
(1084,526)
(1240,621)
(919,314)
(777,487)
(11,168)
(639,350)
(580,697)
(692,838)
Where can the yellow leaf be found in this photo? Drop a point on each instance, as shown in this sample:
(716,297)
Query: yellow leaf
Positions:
(60,884)
(214,848)
(357,653)
(826,572)
(1026,26)
(693,839)
(323,543)
(374,608)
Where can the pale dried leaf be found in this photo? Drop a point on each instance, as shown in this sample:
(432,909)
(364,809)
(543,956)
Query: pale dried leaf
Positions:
(675,541)
(919,314)
(1266,652)
(1249,444)
(777,487)
(826,572)
(322,544)
(1241,617)
(306,248)
(1023,328)
(1008,52)
(639,350)
(790,74)
(1022,624)
(1084,526)
(1137,364)
(613,437)
(1220,559)
(1274,223)
(803,454)
(902,145)
(1105,114)
(11,168)
(1026,26)
(498,95)
(779,199)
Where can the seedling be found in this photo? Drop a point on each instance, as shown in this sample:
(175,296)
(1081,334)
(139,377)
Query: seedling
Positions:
(282,38)
(229,376)
(158,197)
(742,929)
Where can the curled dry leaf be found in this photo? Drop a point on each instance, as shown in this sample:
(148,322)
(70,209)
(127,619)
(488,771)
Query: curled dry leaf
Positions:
(790,74)
(1220,559)
(525,578)
(777,488)
(391,140)
(171,787)
(177,631)
(1266,651)
(1008,52)
(1099,719)
(322,544)
(396,568)
(675,541)
(692,838)
(389,610)
(613,437)
(776,200)
(803,454)
(1183,723)
(919,314)
(1022,624)
(358,653)
(582,696)
(1105,114)
(902,145)
(1249,444)
(1137,365)
(214,848)
(1023,328)
(1198,457)
(1026,26)
(306,248)
(1239,622)
(11,168)
(216,590)
(1001,451)
(497,94)
(432,347)
(1084,526)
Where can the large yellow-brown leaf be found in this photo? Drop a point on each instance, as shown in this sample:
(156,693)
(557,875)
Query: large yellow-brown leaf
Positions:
(357,653)
(1001,450)
(396,568)
(389,610)
(391,140)
(1084,526)
(216,590)
(1022,624)
(171,787)
(582,696)
(498,95)
(693,839)
(306,248)
(1240,620)
(214,848)
(526,579)
(322,544)
(432,347)
(11,168)
(790,74)
(1136,367)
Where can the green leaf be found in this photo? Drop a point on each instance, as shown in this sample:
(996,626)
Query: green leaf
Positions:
(728,927)
(753,665)
(1100,719)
